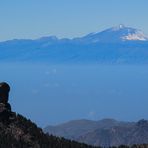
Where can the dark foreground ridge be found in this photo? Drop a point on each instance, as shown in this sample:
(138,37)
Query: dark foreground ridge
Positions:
(18,132)
(22,133)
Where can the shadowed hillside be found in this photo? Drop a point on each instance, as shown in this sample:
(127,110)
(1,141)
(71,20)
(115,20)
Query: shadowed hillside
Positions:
(106,132)
(18,132)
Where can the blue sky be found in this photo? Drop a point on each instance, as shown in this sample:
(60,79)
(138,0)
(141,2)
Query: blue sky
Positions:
(68,18)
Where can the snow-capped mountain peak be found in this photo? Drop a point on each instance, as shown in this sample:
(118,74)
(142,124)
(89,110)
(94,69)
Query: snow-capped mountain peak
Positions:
(118,33)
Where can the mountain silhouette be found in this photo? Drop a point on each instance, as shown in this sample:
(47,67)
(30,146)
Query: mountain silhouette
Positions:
(18,132)
(106,132)
(116,45)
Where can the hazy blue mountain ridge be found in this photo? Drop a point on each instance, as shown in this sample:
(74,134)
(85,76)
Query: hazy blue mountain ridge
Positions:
(115,45)
(106,132)
(74,129)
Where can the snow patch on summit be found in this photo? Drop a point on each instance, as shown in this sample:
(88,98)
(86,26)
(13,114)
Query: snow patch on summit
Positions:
(139,35)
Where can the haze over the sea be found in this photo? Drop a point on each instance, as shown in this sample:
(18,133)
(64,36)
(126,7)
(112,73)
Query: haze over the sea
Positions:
(48,93)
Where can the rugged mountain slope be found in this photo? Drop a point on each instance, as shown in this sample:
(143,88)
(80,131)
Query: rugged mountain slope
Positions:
(107,132)
(18,132)
(115,45)
(118,135)
(72,129)
(75,128)
(115,34)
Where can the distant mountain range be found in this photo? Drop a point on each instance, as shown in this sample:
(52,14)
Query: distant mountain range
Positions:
(106,132)
(18,132)
(119,45)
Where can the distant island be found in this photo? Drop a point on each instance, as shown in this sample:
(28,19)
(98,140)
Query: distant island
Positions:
(116,45)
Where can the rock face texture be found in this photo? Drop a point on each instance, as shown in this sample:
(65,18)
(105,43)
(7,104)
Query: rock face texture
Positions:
(4,92)
(5,107)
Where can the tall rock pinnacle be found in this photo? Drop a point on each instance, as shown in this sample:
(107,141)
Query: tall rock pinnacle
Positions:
(5,107)
(4,92)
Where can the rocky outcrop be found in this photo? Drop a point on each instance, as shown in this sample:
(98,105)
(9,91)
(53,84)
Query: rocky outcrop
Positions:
(18,132)
(4,92)
(5,107)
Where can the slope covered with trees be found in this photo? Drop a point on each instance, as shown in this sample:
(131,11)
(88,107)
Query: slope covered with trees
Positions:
(18,132)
